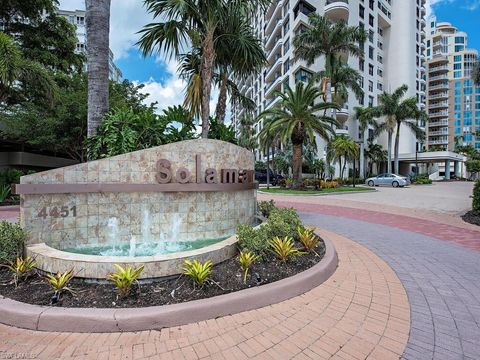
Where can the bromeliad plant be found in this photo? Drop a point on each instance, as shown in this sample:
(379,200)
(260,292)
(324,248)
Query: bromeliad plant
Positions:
(284,248)
(308,238)
(59,282)
(21,268)
(198,272)
(246,260)
(124,278)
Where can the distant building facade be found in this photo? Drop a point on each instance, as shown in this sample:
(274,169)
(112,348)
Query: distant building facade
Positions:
(77,18)
(452,100)
(393,56)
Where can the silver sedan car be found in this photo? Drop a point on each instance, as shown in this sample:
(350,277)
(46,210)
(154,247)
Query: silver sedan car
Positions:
(389,180)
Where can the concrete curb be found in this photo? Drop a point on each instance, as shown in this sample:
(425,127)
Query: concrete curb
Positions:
(92,320)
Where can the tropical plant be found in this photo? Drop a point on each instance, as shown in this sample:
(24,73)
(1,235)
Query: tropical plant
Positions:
(318,167)
(12,241)
(342,149)
(398,112)
(199,272)
(476,73)
(97,21)
(59,282)
(308,238)
(221,131)
(18,74)
(21,268)
(4,192)
(124,278)
(296,118)
(343,78)
(268,140)
(375,154)
(246,259)
(266,207)
(473,167)
(202,25)
(247,138)
(329,39)
(284,248)
(365,118)
(476,198)
(124,130)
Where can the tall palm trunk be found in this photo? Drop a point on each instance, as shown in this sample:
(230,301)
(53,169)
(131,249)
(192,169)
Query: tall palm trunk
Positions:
(98,28)
(397,146)
(362,155)
(389,150)
(206,74)
(297,164)
(222,98)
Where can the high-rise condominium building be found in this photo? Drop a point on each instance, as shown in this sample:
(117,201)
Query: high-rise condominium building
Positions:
(77,18)
(393,55)
(453,102)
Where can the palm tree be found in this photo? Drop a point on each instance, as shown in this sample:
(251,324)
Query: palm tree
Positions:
(342,147)
(344,78)
(16,71)
(196,24)
(365,118)
(376,154)
(189,70)
(247,138)
(388,107)
(296,119)
(476,73)
(330,39)
(398,112)
(97,20)
(238,56)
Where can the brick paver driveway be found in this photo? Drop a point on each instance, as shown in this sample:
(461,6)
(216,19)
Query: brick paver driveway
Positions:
(436,256)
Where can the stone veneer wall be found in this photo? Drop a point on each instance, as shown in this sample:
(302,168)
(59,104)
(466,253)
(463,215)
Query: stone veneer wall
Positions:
(203,214)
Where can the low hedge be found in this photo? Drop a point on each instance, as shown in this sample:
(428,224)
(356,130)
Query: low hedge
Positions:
(476,198)
(12,241)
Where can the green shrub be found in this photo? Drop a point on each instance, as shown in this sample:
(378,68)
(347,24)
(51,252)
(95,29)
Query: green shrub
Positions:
(423,181)
(4,192)
(10,176)
(284,220)
(12,239)
(252,240)
(281,223)
(476,198)
(266,207)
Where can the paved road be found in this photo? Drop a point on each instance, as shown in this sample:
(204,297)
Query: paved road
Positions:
(450,197)
(441,280)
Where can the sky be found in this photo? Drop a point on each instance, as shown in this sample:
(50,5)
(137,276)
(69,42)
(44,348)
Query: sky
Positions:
(159,73)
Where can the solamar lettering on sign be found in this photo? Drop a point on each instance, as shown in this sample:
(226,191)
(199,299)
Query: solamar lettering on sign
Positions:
(210,176)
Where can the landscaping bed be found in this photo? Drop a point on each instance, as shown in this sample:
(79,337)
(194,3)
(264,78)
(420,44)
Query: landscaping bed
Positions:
(472,218)
(227,277)
(280,248)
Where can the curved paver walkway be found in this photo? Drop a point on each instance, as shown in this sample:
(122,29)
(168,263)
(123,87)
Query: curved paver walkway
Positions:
(441,277)
(360,312)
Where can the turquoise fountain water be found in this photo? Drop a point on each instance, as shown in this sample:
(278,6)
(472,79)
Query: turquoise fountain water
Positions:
(167,242)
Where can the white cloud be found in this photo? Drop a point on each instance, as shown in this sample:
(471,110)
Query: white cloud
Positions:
(127,17)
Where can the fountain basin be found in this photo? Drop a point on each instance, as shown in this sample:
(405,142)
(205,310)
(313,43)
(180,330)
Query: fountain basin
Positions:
(97,267)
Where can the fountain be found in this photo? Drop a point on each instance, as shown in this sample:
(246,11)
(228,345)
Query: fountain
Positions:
(155,207)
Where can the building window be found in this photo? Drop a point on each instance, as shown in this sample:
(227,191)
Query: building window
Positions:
(303,75)
(286,66)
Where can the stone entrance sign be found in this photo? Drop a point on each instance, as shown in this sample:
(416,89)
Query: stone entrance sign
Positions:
(206,186)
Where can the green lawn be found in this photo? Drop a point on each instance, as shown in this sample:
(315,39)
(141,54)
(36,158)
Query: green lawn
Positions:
(314,192)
